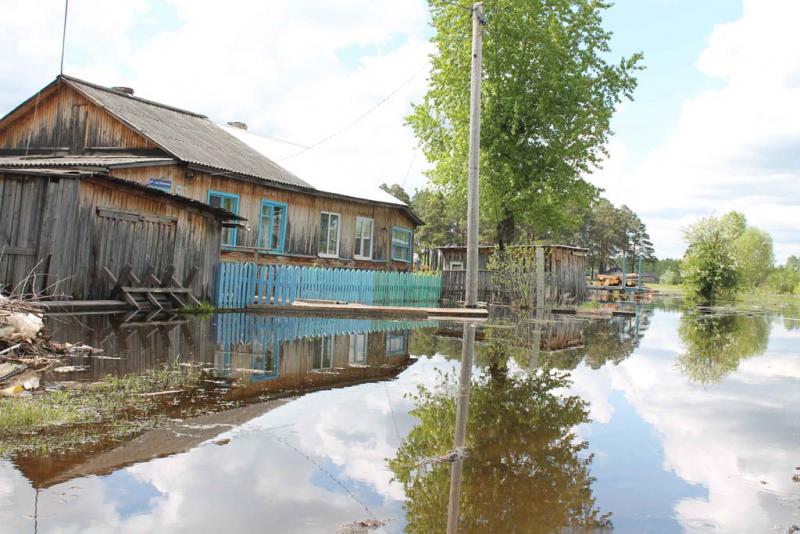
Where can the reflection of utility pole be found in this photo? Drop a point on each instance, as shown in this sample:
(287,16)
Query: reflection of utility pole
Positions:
(462,410)
(473,196)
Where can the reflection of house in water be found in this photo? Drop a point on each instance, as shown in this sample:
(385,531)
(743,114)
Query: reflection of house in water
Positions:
(280,353)
(553,340)
(252,348)
(280,356)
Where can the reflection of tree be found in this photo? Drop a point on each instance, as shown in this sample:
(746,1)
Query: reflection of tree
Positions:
(421,342)
(716,343)
(791,316)
(604,341)
(526,470)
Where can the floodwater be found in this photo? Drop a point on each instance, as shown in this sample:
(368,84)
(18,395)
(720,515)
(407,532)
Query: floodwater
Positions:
(666,421)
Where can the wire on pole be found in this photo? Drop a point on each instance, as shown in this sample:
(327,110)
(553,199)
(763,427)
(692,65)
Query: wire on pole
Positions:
(64,35)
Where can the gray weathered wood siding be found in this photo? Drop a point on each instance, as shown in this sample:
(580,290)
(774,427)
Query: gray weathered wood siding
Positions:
(70,229)
(67,121)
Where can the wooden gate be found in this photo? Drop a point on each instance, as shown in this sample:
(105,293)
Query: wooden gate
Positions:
(21,211)
(140,240)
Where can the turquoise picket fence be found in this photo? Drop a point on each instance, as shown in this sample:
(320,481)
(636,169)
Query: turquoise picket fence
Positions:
(238,285)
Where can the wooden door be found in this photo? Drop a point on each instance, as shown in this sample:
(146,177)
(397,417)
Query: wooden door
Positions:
(142,240)
(21,210)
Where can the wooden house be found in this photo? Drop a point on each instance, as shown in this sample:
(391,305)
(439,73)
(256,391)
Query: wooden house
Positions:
(73,125)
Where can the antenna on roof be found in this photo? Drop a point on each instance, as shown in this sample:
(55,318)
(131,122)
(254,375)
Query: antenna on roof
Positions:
(64,35)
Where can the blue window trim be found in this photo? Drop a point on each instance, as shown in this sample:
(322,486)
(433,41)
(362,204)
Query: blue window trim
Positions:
(410,243)
(235,198)
(274,204)
(395,334)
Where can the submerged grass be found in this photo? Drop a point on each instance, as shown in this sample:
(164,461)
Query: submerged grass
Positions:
(204,308)
(112,409)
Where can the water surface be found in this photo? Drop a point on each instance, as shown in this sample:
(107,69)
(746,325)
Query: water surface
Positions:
(668,421)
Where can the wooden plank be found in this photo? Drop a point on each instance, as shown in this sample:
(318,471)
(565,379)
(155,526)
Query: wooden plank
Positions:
(152,300)
(364,310)
(165,290)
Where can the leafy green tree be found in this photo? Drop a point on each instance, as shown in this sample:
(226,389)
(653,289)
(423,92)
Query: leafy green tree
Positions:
(660,266)
(784,280)
(548,95)
(709,266)
(754,256)
(526,471)
(397,191)
(670,277)
(724,255)
(715,344)
(604,236)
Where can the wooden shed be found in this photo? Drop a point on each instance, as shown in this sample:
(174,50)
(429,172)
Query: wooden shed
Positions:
(564,272)
(60,231)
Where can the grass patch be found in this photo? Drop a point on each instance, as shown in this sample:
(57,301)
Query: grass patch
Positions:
(668,289)
(204,308)
(28,414)
(114,408)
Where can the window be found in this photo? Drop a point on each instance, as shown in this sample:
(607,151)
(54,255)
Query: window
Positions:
(401,244)
(396,342)
(358,349)
(329,234)
(363,238)
(323,353)
(272,227)
(230,202)
(456,265)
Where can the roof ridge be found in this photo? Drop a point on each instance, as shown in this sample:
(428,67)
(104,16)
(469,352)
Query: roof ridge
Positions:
(132,97)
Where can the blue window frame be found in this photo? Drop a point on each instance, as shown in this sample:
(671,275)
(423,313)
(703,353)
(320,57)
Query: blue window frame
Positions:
(396,342)
(401,244)
(230,202)
(272,225)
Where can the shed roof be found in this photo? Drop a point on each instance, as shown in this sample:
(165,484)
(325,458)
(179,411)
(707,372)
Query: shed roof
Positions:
(188,136)
(219,213)
(83,161)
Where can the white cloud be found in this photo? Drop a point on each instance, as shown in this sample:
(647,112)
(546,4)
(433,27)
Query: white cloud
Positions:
(298,71)
(737,147)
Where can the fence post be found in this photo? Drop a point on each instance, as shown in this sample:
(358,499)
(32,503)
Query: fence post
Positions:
(539,276)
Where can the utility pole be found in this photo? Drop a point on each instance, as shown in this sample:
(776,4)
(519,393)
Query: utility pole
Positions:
(473,189)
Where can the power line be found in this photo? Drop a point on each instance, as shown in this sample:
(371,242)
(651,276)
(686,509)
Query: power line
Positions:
(357,119)
(408,169)
(64,35)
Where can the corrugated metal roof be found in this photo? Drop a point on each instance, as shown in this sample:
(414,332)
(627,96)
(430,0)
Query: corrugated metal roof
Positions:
(188,136)
(81,161)
(219,213)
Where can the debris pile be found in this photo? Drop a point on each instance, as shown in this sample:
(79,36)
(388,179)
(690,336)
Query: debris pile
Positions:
(25,349)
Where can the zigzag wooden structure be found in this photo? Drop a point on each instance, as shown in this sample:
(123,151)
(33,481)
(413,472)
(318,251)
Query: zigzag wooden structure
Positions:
(151,292)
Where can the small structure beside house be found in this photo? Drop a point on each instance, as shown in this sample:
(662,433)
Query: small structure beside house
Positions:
(61,230)
(156,164)
(564,272)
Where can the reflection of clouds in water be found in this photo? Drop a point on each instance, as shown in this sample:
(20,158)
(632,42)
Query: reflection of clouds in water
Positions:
(594,386)
(727,437)
(262,478)
(358,433)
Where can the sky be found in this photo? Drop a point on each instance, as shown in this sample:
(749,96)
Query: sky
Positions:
(715,124)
